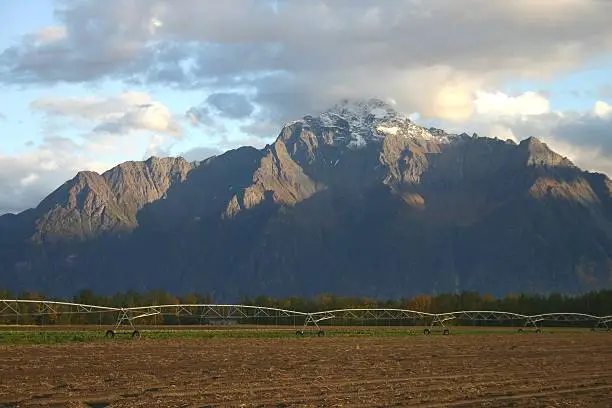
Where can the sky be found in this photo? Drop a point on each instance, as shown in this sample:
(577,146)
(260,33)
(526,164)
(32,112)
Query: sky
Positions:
(85,85)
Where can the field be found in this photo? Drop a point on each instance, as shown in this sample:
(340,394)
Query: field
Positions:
(368,368)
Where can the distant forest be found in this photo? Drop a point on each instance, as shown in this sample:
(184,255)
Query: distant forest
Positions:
(596,303)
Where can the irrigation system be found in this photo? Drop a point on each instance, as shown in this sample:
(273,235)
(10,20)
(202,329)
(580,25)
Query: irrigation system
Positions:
(123,319)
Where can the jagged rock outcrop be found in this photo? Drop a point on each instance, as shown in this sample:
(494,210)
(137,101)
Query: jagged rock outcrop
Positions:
(91,204)
(355,200)
(279,175)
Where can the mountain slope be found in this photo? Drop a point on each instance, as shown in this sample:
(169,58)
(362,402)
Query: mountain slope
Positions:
(91,204)
(356,200)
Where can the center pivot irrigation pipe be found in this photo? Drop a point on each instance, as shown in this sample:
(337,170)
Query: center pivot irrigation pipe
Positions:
(15,310)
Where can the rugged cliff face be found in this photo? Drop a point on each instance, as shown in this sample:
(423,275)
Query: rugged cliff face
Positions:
(356,200)
(91,204)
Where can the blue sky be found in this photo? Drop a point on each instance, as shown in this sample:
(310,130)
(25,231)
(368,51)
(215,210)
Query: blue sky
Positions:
(89,84)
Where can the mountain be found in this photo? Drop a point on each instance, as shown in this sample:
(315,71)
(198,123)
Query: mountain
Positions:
(356,200)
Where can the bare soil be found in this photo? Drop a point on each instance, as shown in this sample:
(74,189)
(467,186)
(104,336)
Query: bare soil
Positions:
(554,369)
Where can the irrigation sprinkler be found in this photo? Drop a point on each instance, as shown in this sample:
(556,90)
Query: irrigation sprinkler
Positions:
(602,324)
(438,321)
(19,312)
(531,323)
(312,319)
(125,317)
(536,321)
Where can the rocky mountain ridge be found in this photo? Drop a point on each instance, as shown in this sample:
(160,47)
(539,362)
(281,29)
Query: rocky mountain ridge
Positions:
(93,203)
(356,200)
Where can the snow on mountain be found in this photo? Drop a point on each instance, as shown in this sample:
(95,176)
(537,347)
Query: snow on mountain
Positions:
(368,121)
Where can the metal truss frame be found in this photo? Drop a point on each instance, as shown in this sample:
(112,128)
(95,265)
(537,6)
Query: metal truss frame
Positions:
(13,307)
(126,316)
(204,312)
(363,314)
(603,324)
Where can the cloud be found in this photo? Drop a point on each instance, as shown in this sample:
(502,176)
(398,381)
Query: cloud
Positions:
(200,153)
(298,56)
(2,117)
(231,105)
(592,130)
(158,146)
(605,91)
(28,177)
(584,137)
(129,111)
(602,109)
(201,116)
(47,35)
(264,130)
(499,104)
(216,108)
(31,176)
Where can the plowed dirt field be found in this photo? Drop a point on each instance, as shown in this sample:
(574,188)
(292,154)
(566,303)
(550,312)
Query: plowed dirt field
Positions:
(556,369)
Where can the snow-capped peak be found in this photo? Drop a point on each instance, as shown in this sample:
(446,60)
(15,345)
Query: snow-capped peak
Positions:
(365,110)
(355,124)
(371,121)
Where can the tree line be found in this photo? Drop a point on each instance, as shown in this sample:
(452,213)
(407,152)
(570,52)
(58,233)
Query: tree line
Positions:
(596,303)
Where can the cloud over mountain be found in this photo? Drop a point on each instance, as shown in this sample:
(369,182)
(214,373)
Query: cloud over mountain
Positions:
(294,53)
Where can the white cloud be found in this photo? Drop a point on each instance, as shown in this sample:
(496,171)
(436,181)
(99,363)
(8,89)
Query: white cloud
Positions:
(498,104)
(602,109)
(158,146)
(451,102)
(48,35)
(27,178)
(129,111)
(428,55)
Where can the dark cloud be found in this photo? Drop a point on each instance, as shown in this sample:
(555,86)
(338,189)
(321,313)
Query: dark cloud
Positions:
(232,105)
(584,137)
(302,53)
(229,105)
(588,131)
(199,115)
